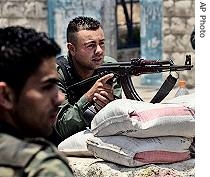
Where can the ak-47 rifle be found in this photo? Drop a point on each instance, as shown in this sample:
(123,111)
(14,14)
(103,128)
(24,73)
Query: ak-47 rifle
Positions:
(137,66)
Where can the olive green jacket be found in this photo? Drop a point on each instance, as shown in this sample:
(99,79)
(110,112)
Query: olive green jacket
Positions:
(29,157)
(70,116)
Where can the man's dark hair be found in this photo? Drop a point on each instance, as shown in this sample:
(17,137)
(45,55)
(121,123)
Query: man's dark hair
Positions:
(81,23)
(22,50)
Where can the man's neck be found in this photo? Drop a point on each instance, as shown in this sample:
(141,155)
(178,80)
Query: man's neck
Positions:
(82,71)
(85,74)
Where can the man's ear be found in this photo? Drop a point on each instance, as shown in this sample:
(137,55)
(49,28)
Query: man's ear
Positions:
(71,48)
(6,96)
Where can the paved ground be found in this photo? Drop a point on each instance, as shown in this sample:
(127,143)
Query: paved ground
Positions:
(147,93)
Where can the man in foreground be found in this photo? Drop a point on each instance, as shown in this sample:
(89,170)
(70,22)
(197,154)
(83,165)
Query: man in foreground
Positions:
(29,100)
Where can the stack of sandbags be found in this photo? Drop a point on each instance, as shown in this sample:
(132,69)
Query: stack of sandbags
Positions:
(135,133)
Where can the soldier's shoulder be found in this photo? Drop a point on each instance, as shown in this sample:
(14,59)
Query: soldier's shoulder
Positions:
(49,162)
(30,156)
(108,59)
(47,150)
(15,151)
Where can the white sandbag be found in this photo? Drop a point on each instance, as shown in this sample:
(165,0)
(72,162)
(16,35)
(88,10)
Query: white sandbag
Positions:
(133,152)
(185,100)
(75,145)
(141,119)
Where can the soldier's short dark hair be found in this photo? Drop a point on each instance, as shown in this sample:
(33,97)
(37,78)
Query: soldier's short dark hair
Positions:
(81,23)
(22,50)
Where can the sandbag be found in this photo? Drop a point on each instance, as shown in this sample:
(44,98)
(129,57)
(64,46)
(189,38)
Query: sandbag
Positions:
(141,119)
(75,145)
(185,100)
(133,152)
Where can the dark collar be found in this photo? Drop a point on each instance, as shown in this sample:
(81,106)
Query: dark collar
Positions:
(8,129)
(71,64)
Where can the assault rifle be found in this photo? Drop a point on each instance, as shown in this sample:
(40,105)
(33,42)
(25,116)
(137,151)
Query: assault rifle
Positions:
(137,66)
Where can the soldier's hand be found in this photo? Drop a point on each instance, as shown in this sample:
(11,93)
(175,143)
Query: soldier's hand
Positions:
(102,99)
(101,88)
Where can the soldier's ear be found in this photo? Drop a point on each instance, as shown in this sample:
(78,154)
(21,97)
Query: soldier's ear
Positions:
(71,48)
(6,96)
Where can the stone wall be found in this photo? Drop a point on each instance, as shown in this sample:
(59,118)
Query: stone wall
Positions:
(29,13)
(178,23)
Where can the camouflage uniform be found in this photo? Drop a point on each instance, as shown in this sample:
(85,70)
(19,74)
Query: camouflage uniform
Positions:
(29,158)
(70,116)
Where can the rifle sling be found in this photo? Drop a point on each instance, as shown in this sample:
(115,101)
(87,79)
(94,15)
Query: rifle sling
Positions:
(164,90)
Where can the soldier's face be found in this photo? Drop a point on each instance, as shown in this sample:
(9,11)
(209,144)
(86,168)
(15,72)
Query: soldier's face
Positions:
(36,109)
(89,49)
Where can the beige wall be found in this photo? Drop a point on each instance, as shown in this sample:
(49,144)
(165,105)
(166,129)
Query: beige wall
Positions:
(24,12)
(178,23)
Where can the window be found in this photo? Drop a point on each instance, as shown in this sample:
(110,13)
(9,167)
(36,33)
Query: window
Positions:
(128,23)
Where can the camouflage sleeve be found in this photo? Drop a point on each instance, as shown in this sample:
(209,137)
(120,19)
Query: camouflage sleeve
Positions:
(70,117)
(50,168)
(48,163)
